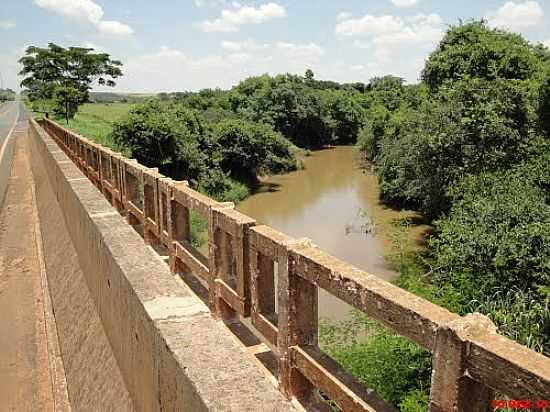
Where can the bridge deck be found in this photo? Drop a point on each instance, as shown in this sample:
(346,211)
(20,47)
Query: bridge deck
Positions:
(31,372)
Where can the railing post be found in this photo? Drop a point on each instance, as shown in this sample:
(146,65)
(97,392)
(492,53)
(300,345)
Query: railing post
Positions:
(220,262)
(451,388)
(179,227)
(298,321)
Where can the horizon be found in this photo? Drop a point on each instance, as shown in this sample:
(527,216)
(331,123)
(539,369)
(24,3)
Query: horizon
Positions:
(196,44)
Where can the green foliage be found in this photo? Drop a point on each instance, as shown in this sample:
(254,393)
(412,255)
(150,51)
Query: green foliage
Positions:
(387,91)
(544,105)
(496,236)
(473,50)
(66,75)
(220,186)
(308,115)
(470,147)
(472,127)
(167,137)
(217,158)
(374,131)
(393,367)
(66,101)
(199,229)
(247,149)
(521,315)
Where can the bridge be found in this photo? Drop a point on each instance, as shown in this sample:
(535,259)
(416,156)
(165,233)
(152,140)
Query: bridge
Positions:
(137,319)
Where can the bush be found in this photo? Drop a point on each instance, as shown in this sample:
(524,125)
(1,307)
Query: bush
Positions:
(544,106)
(395,368)
(473,50)
(248,149)
(164,136)
(475,126)
(496,237)
(221,187)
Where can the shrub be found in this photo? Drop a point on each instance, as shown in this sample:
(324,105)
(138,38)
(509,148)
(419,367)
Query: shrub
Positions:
(475,126)
(496,237)
(395,368)
(247,149)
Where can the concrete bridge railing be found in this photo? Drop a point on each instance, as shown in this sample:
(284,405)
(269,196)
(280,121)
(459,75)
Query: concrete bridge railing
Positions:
(255,272)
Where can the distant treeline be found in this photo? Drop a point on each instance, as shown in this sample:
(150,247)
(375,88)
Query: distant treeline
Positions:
(7,94)
(109,97)
(221,139)
(310,113)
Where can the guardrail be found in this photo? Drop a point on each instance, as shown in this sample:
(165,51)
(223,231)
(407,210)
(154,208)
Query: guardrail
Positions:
(254,271)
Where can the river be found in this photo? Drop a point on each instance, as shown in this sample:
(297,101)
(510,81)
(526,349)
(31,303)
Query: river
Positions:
(334,202)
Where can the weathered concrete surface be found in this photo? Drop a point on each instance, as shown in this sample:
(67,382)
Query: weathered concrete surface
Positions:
(31,374)
(93,376)
(172,354)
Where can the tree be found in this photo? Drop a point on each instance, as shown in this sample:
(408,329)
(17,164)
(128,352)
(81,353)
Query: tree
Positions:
(66,100)
(164,136)
(74,69)
(248,149)
(544,106)
(476,126)
(473,50)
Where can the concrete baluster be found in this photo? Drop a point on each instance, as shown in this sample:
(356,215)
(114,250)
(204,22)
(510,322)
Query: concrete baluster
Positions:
(452,389)
(298,324)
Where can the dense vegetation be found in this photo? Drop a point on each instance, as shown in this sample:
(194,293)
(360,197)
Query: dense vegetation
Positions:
(220,158)
(468,147)
(222,140)
(472,153)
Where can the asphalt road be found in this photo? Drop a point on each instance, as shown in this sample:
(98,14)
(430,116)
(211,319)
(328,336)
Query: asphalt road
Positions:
(9,113)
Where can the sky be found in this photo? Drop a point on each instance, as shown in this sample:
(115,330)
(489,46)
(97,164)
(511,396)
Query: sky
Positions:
(177,45)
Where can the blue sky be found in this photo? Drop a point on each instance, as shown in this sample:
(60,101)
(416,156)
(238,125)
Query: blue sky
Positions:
(191,44)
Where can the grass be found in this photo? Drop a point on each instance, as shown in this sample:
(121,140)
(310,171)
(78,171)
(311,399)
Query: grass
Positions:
(95,121)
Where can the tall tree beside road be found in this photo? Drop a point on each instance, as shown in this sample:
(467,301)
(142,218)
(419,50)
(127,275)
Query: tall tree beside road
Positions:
(64,76)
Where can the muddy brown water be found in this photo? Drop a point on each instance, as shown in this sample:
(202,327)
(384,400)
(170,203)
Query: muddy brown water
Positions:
(334,202)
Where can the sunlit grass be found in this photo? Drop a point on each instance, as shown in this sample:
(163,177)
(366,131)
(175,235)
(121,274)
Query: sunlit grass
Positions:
(95,121)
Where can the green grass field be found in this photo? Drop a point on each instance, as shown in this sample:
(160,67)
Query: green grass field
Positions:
(95,120)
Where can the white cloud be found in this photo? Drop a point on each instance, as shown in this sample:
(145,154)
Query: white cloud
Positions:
(114,27)
(202,3)
(306,51)
(389,29)
(344,15)
(240,46)
(171,69)
(96,47)
(404,3)
(398,45)
(369,25)
(81,10)
(231,19)
(515,16)
(85,11)
(289,50)
(7,24)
